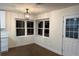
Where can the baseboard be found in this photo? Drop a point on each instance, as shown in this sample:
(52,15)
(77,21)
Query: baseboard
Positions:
(49,48)
(20,45)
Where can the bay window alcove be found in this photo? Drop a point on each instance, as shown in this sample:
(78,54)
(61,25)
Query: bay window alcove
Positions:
(27,27)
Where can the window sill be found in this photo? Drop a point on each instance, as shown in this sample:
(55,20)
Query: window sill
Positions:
(25,36)
(42,36)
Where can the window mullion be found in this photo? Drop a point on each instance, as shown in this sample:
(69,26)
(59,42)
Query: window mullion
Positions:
(25,28)
(43,27)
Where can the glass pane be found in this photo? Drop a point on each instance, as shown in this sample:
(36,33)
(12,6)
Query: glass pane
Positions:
(77,20)
(67,34)
(71,27)
(30,24)
(71,34)
(46,32)
(71,21)
(76,35)
(77,23)
(40,24)
(67,21)
(20,32)
(30,31)
(46,24)
(67,27)
(75,27)
(20,23)
(40,31)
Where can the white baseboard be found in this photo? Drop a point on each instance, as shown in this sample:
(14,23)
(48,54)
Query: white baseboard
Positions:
(21,45)
(49,48)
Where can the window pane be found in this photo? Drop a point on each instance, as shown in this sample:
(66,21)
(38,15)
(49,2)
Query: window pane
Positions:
(20,23)
(75,27)
(71,21)
(67,21)
(71,34)
(46,24)
(71,27)
(30,24)
(30,31)
(77,20)
(78,23)
(76,35)
(46,32)
(40,24)
(67,25)
(67,29)
(67,34)
(20,32)
(40,31)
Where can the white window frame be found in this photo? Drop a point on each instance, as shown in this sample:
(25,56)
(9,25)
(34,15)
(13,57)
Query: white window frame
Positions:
(25,27)
(46,19)
(30,28)
(20,28)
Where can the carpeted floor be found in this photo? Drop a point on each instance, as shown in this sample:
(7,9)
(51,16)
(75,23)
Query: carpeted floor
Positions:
(29,50)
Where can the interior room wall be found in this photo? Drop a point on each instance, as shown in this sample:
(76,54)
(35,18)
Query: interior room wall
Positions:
(13,40)
(54,42)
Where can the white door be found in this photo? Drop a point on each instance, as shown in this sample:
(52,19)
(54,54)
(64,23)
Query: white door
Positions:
(71,34)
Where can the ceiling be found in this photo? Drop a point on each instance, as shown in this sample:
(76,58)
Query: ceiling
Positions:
(34,8)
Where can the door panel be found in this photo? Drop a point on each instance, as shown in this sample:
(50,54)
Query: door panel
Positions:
(70,47)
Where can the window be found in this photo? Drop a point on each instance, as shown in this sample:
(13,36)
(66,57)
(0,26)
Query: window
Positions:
(40,28)
(30,28)
(20,28)
(72,25)
(24,28)
(43,28)
(46,29)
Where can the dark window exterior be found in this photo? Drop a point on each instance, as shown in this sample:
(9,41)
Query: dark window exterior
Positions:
(46,32)
(43,28)
(46,24)
(30,28)
(20,23)
(40,31)
(30,31)
(30,24)
(20,32)
(20,28)
(40,24)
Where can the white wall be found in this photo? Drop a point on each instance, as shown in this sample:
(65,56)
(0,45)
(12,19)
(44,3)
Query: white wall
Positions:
(54,42)
(11,28)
